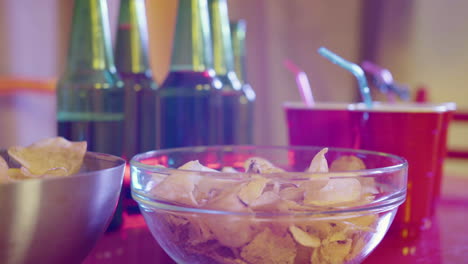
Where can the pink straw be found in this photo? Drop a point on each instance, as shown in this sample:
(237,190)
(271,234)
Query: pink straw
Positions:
(302,82)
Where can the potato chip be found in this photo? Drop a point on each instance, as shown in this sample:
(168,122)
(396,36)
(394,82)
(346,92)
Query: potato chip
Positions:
(268,248)
(347,163)
(47,155)
(177,187)
(333,252)
(303,254)
(229,170)
(156,179)
(195,165)
(289,206)
(214,253)
(15,174)
(292,193)
(3,171)
(198,231)
(230,230)
(319,162)
(353,163)
(268,201)
(54,172)
(336,191)
(317,182)
(313,185)
(325,229)
(304,238)
(3,165)
(275,186)
(336,236)
(368,186)
(227,199)
(176,220)
(204,186)
(208,188)
(364,222)
(218,258)
(260,165)
(359,242)
(209,191)
(177,226)
(205,190)
(252,190)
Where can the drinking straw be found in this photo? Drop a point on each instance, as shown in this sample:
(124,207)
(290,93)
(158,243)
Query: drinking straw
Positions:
(383,79)
(302,82)
(422,95)
(401,90)
(354,69)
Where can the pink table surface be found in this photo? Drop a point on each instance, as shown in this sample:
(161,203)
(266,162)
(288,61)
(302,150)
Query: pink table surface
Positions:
(445,242)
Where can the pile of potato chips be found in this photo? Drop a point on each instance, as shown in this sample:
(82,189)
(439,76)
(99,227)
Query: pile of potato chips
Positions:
(52,157)
(262,219)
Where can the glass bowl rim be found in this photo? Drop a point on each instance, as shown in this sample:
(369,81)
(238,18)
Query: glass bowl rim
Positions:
(390,202)
(325,213)
(296,176)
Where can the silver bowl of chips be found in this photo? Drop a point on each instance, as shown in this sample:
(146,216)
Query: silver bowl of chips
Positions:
(56,200)
(252,204)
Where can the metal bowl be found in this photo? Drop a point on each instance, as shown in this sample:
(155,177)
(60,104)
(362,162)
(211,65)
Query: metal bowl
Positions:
(59,220)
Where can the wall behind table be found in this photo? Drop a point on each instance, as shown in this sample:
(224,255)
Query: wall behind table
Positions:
(29,41)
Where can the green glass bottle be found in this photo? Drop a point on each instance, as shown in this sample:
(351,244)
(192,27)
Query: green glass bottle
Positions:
(235,116)
(132,62)
(189,106)
(238,37)
(90,94)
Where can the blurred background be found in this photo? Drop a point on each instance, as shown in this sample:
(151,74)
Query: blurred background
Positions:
(422,42)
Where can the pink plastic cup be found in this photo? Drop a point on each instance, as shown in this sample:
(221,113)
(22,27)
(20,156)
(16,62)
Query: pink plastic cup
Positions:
(323,124)
(416,132)
(446,119)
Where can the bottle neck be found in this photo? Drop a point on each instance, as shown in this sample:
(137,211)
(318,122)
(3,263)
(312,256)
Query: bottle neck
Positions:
(238,33)
(131,54)
(90,44)
(192,41)
(222,47)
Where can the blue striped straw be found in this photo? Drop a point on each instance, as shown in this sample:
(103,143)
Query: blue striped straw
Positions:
(355,69)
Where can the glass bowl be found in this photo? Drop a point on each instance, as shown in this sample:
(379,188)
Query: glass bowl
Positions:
(59,219)
(294,212)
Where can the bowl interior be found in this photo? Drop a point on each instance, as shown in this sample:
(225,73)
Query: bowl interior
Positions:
(237,230)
